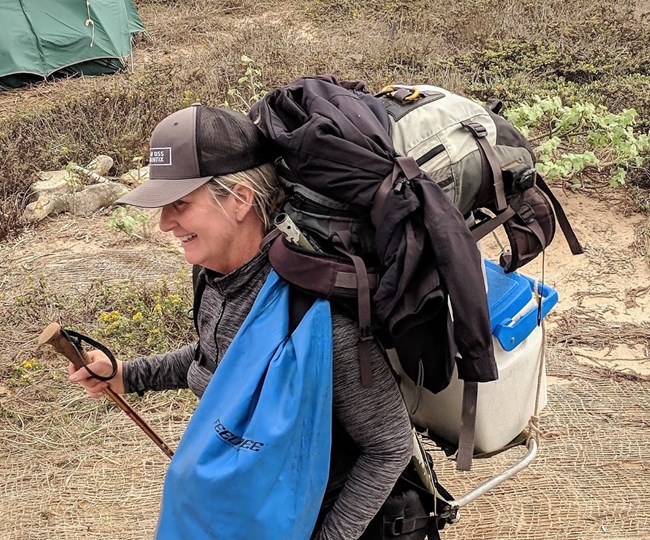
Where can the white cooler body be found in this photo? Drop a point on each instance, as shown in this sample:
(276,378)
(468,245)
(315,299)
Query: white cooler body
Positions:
(504,406)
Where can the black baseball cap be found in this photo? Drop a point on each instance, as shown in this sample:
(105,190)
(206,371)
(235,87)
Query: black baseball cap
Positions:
(193,145)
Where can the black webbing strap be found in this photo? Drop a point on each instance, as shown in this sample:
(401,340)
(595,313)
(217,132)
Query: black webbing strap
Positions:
(365,327)
(406,166)
(198,286)
(299,304)
(379,201)
(480,134)
(409,167)
(486,227)
(401,94)
(536,229)
(570,236)
(403,525)
(467,426)
(363,308)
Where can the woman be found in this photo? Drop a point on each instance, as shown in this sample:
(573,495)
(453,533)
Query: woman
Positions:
(210,172)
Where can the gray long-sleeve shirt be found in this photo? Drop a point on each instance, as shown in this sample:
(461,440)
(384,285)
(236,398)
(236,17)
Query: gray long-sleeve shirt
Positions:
(375,417)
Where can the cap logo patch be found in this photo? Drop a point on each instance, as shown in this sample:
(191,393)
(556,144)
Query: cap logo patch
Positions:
(160,156)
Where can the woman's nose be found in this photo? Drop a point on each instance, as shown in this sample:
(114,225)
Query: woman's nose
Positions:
(166,218)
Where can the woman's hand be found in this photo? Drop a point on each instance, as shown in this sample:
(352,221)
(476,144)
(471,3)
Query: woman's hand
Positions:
(102,366)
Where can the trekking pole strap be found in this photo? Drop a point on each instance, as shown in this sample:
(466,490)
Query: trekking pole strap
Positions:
(76,339)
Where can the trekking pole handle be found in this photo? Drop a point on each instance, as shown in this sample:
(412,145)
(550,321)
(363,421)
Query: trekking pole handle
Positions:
(291,232)
(52,335)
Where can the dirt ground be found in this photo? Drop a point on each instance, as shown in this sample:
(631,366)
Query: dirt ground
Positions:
(102,478)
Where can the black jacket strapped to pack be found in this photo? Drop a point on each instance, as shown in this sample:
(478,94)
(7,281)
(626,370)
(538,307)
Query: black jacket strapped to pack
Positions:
(333,141)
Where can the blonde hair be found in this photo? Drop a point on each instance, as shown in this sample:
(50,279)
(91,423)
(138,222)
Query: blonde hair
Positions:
(262,180)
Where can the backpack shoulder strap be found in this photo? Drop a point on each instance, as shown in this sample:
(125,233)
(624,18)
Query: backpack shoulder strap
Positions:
(299,304)
(198,286)
(480,135)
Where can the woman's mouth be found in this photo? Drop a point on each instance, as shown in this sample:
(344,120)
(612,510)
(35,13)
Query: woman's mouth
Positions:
(187,238)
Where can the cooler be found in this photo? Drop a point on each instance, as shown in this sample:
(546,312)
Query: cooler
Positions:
(505,405)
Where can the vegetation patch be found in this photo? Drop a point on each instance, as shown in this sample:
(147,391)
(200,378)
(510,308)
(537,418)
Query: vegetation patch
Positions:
(130,318)
(572,141)
(580,51)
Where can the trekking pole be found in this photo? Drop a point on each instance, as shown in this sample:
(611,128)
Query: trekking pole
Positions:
(58,338)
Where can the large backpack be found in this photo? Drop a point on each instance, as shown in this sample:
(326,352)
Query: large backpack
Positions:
(479,161)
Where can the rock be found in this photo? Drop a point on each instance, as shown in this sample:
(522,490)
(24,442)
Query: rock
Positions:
(136,176)
(59,191)
(86,201)
(51,183)
(100,165)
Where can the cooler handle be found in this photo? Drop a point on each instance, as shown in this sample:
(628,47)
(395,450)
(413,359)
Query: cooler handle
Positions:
(511,333)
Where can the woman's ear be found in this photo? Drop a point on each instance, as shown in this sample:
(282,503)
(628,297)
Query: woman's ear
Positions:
(244,201)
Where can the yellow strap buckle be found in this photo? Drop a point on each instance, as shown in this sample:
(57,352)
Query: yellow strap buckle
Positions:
(401,92)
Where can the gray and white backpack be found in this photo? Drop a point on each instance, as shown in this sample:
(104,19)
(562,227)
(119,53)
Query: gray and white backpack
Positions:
(481,162)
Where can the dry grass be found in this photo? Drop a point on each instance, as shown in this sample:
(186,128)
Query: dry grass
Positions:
(78,469)
(508,50)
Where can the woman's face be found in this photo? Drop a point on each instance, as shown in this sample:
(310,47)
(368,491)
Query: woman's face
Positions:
(207,233)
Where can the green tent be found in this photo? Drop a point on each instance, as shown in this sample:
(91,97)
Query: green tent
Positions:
(41,38)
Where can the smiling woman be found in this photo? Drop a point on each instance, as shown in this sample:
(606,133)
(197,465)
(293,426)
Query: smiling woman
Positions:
(217,234)
(339,446)
(234,177)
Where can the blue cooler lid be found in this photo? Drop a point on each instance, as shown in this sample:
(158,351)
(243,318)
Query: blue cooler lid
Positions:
(507,296)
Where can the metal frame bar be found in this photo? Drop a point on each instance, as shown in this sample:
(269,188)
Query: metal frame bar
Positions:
(496,480)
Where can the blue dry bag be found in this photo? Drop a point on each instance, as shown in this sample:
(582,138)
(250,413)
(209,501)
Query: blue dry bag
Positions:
(254,459)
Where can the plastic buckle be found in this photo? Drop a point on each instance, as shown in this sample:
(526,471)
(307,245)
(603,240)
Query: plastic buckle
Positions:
(400,526)
(526,213)
(365,334)
(520,176)
(399,186)
(527,180)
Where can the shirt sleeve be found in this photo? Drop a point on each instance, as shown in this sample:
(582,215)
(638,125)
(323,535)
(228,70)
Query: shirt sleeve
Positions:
(376,419)
(167,371)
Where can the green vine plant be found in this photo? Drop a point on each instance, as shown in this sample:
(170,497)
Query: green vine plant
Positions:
(132,222)
(249,90)
(574,142)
